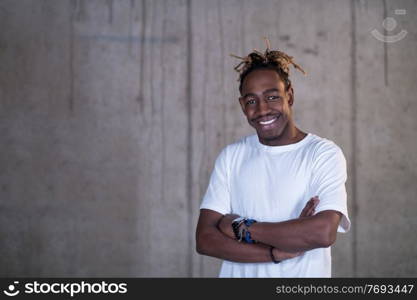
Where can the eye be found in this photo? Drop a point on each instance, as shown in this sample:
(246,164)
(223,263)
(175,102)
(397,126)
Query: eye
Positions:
(250,102)
(273,98)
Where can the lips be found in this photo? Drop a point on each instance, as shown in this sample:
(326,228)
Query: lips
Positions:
(268,121)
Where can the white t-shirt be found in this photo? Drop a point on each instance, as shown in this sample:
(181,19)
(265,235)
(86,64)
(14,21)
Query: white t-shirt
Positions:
(273,184)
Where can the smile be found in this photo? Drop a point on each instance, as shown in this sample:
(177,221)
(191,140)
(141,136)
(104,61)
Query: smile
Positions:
(268,122)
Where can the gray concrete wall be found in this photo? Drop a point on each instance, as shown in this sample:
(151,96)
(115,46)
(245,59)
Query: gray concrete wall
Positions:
(113,112)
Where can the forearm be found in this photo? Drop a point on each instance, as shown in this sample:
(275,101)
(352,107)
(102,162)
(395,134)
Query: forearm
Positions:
(214,243)
(298,234)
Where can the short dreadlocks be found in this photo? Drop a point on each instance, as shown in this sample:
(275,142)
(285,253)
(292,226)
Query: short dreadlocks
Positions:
(270,60)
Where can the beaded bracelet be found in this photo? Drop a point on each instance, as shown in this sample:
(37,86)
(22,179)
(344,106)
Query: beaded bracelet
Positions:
(248,239)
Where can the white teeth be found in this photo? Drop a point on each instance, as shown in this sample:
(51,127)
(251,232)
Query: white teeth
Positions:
(267,122)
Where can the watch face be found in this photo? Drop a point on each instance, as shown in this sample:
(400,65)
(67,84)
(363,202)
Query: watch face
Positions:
(238,219)
(235,226)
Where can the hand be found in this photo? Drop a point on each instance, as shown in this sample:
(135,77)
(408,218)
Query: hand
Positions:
(308,211)
(225,225)
(282,255)
(310,207)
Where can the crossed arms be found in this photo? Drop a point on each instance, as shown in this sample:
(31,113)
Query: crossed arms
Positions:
(215,237)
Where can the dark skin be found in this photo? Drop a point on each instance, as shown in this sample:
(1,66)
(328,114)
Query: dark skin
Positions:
(215,238)
(264,98)
(267,105)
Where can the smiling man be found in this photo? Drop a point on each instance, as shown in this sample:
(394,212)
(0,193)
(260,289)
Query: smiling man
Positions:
(277,199)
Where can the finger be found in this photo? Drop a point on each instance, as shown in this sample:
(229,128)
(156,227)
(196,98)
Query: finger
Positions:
(312,207)
(315,204)
(307,207)
(302,213)
(310,212)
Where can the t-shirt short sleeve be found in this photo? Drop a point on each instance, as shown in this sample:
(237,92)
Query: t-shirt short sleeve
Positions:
(217,196)
(328,182)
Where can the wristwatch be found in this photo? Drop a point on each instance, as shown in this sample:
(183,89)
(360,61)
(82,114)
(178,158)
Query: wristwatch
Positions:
(235,226)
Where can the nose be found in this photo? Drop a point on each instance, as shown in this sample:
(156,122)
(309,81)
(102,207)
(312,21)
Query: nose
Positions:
(263,108)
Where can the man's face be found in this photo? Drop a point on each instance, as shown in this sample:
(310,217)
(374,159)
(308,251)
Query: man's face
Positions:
(267,105)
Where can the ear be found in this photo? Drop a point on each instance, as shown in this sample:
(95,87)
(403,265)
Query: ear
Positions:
(290,93)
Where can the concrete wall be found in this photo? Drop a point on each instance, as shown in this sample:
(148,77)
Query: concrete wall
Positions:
(113,112)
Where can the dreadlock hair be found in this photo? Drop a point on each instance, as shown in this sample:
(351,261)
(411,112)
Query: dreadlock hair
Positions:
(270,60)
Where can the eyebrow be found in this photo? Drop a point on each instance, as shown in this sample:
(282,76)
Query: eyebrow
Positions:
(264,92)
(270,90)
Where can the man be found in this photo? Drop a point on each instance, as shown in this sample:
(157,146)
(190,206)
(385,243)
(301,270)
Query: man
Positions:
(276,199)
